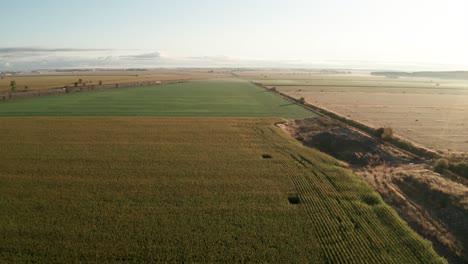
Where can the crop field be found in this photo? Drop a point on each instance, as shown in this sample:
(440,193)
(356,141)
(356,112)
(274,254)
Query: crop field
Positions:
(204,98)
(49,80)
(431,112)
(186,189)
(438,121)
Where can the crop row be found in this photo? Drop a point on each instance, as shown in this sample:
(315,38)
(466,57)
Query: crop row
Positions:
(352,222)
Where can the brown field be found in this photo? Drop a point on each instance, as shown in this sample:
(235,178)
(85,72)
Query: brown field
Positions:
(437,121)
(61,79)
(428,111)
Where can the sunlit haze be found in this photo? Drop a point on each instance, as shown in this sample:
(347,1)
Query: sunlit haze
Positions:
(398,34)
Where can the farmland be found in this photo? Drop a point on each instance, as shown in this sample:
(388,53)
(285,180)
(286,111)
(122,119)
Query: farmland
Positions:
(205,98)
(48,80)
(429,111)
(436,121)
(194,189)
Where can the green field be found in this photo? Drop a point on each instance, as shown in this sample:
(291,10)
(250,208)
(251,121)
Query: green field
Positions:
(146,189)
(209,98)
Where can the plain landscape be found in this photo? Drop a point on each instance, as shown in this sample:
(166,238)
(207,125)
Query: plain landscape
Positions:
(192,172)
(426,116)
(234,132)
(432,112)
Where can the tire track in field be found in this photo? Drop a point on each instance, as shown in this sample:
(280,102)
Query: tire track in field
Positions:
(298,173)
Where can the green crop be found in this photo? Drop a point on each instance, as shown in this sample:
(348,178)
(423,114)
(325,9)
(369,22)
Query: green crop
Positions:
(208,98)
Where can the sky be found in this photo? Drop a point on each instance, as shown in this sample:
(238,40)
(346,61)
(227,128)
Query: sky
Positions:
(397,34)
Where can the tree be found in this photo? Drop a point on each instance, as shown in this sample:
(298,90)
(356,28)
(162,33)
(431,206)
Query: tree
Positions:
(384,133)
(302,100)
(76,84)
(26,87)
(13,86)
(388,133)
(80,81)
(100,82)
(441,165)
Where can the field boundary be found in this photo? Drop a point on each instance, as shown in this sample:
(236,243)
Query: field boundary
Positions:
(360,86)
(395,141)
(84,88)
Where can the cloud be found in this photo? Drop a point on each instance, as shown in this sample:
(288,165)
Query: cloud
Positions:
(34,58)
(9,50)
(144,56)
(214,58)
(34,54)
(107,58)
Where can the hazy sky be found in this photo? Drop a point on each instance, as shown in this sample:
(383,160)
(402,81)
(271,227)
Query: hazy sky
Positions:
(157,33)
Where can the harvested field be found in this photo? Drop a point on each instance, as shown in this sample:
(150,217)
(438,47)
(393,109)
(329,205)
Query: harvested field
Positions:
(429,111)
(140,189)
(438,121)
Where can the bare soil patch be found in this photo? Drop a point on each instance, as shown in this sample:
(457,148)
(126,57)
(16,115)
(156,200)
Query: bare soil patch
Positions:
(346,143)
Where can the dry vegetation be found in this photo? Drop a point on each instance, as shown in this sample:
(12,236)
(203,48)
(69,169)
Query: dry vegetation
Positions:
(435,205)
(433,120)
(431,112)
(49,80)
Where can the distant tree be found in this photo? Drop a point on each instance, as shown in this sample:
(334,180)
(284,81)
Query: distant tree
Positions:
(13,86)
(100,82)
(302,100)
(273,89)
(80,81)
(26,87)
(76,84)
(116,85)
